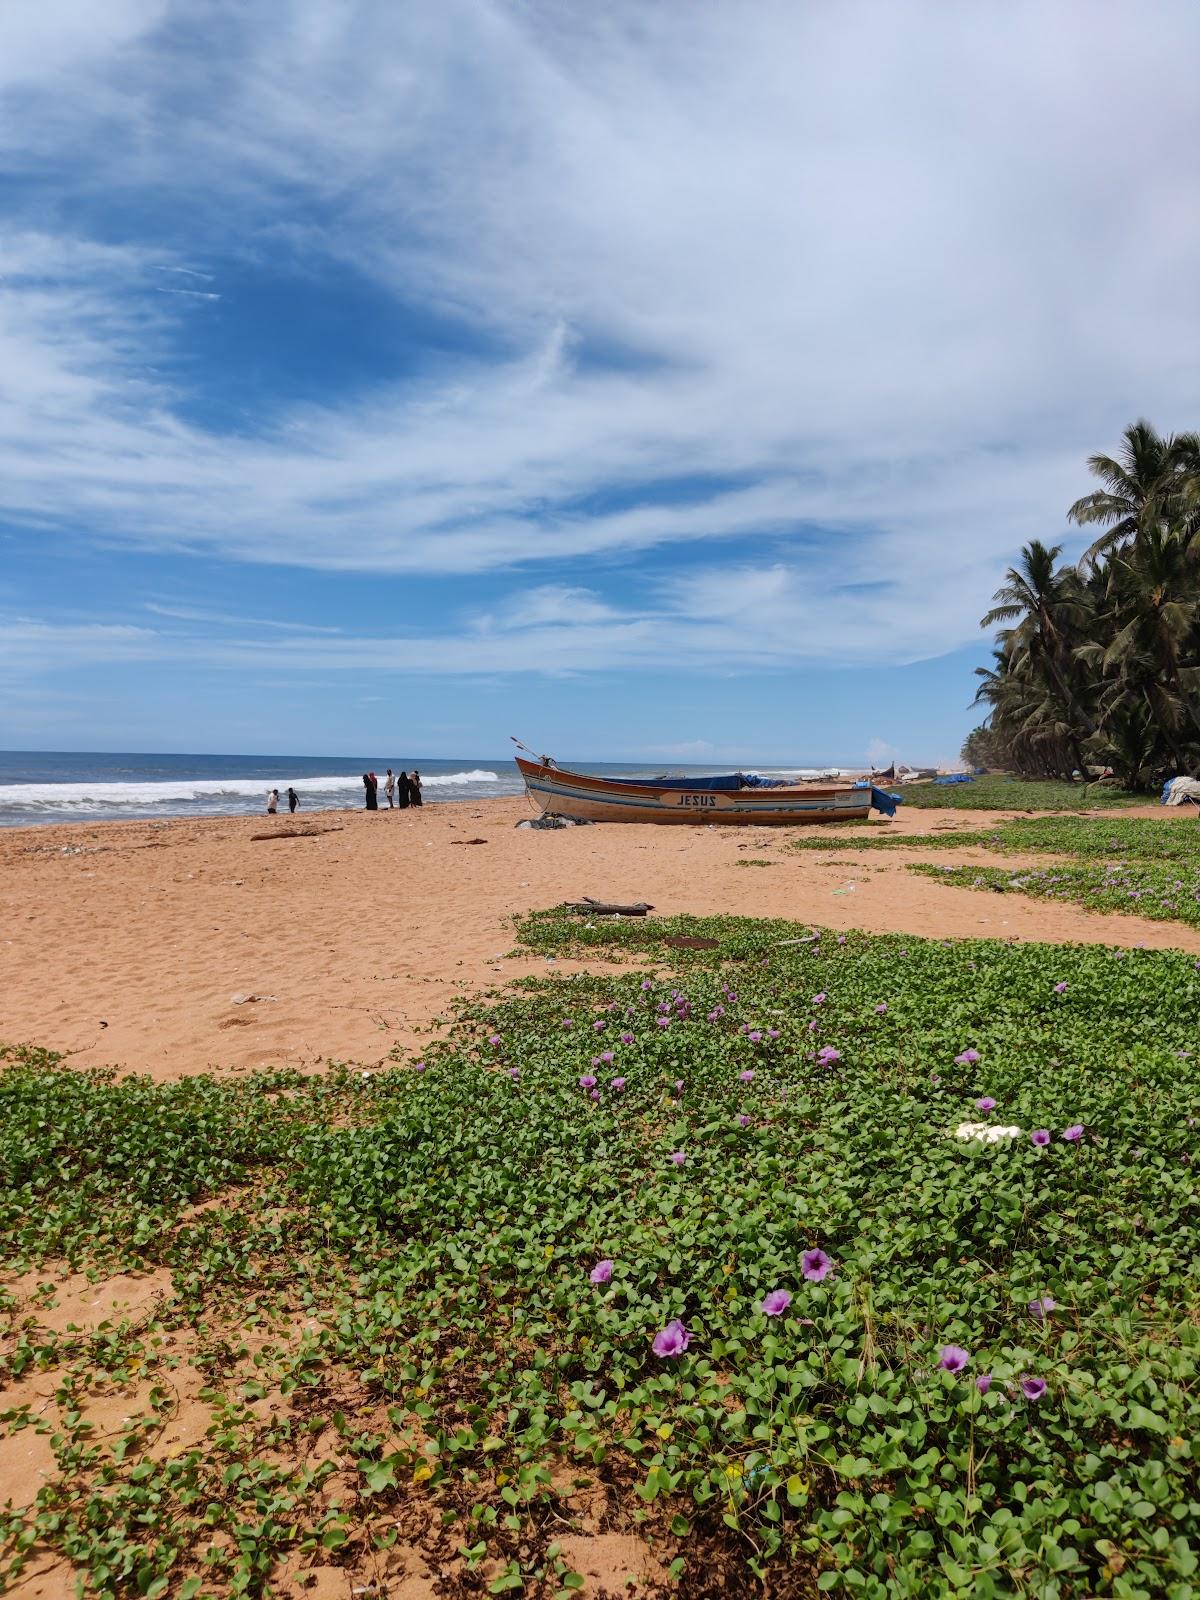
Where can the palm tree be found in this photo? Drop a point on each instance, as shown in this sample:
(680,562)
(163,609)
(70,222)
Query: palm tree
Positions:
(1140,486)
(1103,660)
(1154,587)
(1048,607)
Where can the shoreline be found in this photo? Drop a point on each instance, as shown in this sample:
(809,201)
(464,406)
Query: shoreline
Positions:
(138,944)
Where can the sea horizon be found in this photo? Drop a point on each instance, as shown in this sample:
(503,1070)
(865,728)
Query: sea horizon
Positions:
(56,786)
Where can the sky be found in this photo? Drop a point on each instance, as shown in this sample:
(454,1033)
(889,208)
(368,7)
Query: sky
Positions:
(645,379)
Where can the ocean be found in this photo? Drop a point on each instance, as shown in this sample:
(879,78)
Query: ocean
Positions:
(50,786)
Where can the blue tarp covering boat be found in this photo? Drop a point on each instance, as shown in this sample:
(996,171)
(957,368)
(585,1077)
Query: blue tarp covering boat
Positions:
(722,783)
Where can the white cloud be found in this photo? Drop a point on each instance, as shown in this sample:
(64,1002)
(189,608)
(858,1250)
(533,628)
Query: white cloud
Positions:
(46,42)
(855,269)
(229,619)
(548,604)
(31,645)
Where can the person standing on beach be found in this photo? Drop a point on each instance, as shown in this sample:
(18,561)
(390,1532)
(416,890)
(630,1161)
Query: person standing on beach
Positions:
(272,802)
(414,788)
(389,788)
(371,786)
(293,799)
(402,792)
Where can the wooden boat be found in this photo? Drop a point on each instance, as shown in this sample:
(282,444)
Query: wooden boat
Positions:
(731,798)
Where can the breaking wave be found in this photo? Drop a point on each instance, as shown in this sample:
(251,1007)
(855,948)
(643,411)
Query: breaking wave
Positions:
(101,795)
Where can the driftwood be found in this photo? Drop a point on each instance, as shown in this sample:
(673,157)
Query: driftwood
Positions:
(293,833)
(601,908)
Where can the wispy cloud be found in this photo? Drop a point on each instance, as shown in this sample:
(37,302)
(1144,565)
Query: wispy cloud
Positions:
(847,282)
(229,619)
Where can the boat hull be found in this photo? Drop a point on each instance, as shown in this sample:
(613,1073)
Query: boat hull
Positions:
(589,799)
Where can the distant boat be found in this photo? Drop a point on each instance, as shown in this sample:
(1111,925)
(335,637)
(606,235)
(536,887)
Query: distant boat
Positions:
(728,798)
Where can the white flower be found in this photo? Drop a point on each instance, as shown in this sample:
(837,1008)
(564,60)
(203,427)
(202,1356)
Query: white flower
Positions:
(985,1132)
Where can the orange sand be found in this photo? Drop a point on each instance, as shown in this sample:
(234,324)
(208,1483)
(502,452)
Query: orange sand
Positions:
(125,943)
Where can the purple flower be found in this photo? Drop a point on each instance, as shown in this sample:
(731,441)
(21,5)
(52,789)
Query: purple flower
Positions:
(494,1038)
(815,1265)
(772,1033)
(587,1081)
(618,1084)
(986,1103)
(820,999)
(715,1016)
(776,1303)
(841,938)
(1060,988)
(514,1073)
(601,1272)
(743,1121)
(967,1059)
(595,1095)
(1033,1388)
(673,1340)
(678,1085)
(983,1382)
(747,1076)
(953,1358)
(812,1027)
(935,1077)
(567,1023)
(626,1038)
(419,1066)
(755,1037)
(1040,1137)
(678,1157)
(1074,1133)
(1039,1308)
(881,1009)
(597,1027)
(646,984)
(827,1055)
(662,1022)
(605,1055)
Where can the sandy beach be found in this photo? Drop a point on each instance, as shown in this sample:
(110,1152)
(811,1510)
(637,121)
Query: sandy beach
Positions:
(171,947)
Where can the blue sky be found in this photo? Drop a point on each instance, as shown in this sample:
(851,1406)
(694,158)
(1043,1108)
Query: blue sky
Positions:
(639,379)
